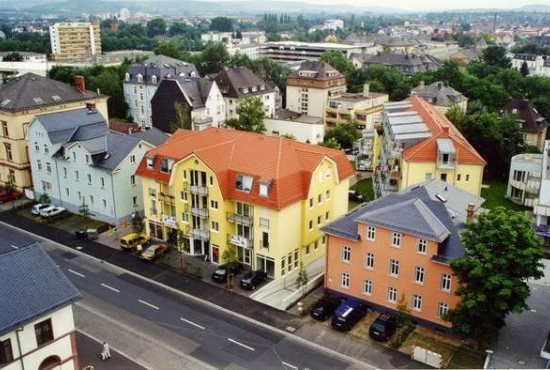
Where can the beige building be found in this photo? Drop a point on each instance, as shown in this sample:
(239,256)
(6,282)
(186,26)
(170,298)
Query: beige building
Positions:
(75,40)
(441,96)
(309,89)
(21,99)
(365,107)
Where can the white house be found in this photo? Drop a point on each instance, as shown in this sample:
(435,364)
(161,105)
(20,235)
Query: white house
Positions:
(75,159)
(333,24)
(306,129)
(37,329)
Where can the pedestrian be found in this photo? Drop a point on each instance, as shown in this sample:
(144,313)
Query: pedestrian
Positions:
(106,354)
(115,233)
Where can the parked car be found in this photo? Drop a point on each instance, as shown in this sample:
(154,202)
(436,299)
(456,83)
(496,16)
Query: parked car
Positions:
(132,240)
(252,279)
(221,273)
(35,210)
(153,252)
(355,196)
(383,327)
(324,308)
(348,314)
(51,211)
(8,196)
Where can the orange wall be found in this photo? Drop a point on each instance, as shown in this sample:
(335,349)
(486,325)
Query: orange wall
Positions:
(408,258)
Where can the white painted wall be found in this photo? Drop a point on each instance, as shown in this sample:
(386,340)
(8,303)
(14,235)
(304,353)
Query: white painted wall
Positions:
(304,132)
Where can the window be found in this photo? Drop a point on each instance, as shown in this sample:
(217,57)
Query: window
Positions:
(319,219)
(265,239)
(458,177)
(369,261)
(132,180)
(74,156)
(102,182)
(185,217)
(417,302)
(215,226)
(91,199)
(65,172)
(135,201)
(46,149)
(310,202)
(327,215)
(87,159)
(394,268)
(104,203)
(316,245)
(310,225)
(396,240)
(467,178)
(183,196)
(214,204)
(442,309)
(392,294)
(43,332)
(67,192)
(320,198)
(36,147)
(308,249)
(76,175)
(132,159)
(289,262)
(79,194)
(9,154)
(346,253)
(344,280)
(5,131)
(445,284)
(211,181)
(371,233)
(6,353)
(328,195)
(39,165)
(367,287)
(296,258)
(422,246)
(283,269)
(89,177)
(419,275)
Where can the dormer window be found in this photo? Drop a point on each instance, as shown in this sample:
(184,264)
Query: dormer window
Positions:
(127,76)
(245,90)
(254,89)
(139,77)
(265,187)
(150,163)
(154,79)
(166,165)
(244,183)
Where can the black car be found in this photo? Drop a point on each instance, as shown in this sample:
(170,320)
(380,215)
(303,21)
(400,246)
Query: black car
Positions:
(252,279)
(220,275)
(324,308)
(354,196)
(383,327)
(348,314)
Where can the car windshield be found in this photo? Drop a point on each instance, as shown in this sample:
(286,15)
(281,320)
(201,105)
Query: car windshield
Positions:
(148,252)
(221,271)
(379,327)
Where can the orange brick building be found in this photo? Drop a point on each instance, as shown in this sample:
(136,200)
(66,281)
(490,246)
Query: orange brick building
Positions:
(398,249)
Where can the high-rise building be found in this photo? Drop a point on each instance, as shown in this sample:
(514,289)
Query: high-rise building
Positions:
(75,40)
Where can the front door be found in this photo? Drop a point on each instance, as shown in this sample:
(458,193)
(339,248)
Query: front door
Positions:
(215,253)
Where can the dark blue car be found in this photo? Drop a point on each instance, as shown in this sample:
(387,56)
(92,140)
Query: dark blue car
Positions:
(348,314)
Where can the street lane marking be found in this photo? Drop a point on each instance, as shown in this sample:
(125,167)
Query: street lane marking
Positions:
(14,247)
(286,364)
(76,273)
(148,304)
(192,323)
(240,344)
(110,287)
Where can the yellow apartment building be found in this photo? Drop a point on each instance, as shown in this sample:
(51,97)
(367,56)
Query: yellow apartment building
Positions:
(74,40)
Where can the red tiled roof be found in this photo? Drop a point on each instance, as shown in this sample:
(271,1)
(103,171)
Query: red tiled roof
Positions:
(286,163)
(441,128)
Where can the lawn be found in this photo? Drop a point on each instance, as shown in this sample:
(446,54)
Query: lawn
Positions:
(494,197)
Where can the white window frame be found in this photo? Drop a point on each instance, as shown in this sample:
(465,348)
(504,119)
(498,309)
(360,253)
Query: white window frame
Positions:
(371,233)
(367,287)
(346,253)
(392,295)
(416,303)
(344,280)
(419,275)
(442,306)
(422,246)
(445,282)
(394,268)
(369,261)
(396,240)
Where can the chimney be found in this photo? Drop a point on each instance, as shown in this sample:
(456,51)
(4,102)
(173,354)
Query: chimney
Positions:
(366,90)
(80,84)
(470,212)
(422,84)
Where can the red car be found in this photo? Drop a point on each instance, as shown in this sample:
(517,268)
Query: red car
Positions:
(8,197)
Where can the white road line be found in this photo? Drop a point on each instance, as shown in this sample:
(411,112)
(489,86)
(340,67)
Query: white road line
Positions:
(286,364)
(14,247)
(148,304)
(240,344)
(76,273)
(192,323)
(110,287)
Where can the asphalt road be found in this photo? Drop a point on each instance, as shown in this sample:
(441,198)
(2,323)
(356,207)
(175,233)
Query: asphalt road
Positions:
(214,337)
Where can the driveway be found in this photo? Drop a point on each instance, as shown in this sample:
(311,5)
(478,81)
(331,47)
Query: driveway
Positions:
(520,341)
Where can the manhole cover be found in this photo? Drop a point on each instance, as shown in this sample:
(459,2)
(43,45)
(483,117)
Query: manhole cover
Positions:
(521,362)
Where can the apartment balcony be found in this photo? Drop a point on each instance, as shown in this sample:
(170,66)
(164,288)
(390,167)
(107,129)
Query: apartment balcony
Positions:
(239,219)
(199,212)
(201,234)
(199,190)
(153,212)
(446,165)
(166,199)
(240,241)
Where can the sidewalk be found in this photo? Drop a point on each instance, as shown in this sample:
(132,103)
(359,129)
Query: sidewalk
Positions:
(89,355)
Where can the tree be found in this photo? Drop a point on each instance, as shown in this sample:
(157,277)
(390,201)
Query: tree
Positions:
(213,58)
(13,57)
(337,60)
(496,56)
(84,212)
(231,260)
(44,198)
(137,223)
(289,136)
(502,252)
(302,280)
(156,27)
(221,24)
(524,70)
(109,82)
(330,143)
(183,118)
(251,114)
(345,134)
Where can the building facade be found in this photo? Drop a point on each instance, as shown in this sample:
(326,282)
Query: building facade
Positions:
(333,24)
(202,97)
(76,160)
(538,65)
(533,125)
(38,330)
(441,96)
(309,88)
(415,143)
(305,129)
(397,251)
(75,40)
(263,195)
(143,79)
(21,99)
(406,63)
(296,51)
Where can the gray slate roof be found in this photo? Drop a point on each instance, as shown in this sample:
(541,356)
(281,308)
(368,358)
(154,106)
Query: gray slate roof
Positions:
(160,66)
(400,59)
(153,136)
(32,287)
(416,210)
(439,93)
(196,89)
(31,91)
(232,81)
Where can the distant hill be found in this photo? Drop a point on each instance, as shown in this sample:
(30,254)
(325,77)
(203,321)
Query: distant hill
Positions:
(535,8)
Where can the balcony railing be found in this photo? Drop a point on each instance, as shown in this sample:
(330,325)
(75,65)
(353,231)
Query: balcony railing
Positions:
(201,234)
(199,190)
(239,219)
(200,212)
(240,241)
(166,198)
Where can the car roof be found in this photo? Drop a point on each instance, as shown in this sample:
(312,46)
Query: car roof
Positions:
(386,316)
(346,307)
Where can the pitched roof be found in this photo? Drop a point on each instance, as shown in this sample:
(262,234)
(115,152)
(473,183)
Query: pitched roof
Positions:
(153,136)
(31,91)
(161,66)
(318,70)
(439,93)
(32,286)
(396,59)
(238,81)
(441,128)
(531,119)
(195,90)
(286,164)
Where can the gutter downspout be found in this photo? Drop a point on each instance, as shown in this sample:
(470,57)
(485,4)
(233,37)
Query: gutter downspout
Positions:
(114,199)
(19,347)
